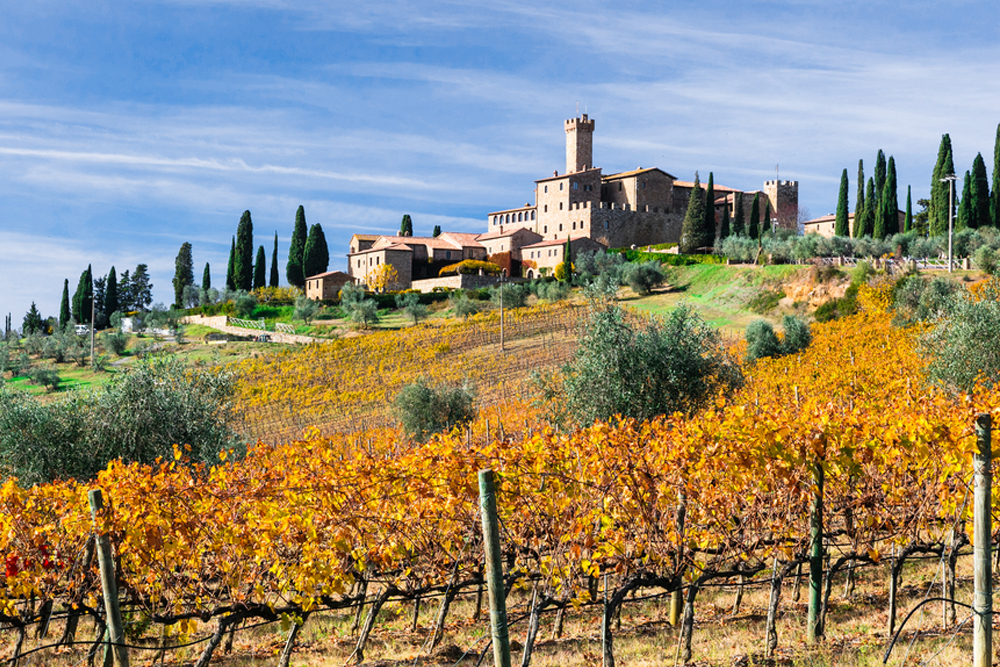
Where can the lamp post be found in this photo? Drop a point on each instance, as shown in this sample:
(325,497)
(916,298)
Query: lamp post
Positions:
(950,180)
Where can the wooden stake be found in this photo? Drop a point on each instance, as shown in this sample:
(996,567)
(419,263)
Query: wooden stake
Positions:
(494,569)
(109,586)
(815,556)
(982,601)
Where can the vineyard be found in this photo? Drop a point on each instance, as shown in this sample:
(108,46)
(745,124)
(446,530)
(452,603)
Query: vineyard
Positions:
(601,516)
(350,384)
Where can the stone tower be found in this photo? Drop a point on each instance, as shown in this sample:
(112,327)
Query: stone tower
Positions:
(579,144)
(784,199)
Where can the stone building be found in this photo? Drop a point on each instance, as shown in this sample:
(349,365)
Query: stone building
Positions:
(413,257)
(825,225)
(326,286)
(645,206)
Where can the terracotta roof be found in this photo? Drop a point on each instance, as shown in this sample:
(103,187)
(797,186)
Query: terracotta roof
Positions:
(497,234)
(516,209)
(461,239)
(446,241)
(635,172)
(329,274)
(365,237)
(715,186)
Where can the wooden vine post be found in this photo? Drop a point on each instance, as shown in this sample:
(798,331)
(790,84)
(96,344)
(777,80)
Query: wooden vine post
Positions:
(494,569)
(815,555)
(982,602)
(109,586)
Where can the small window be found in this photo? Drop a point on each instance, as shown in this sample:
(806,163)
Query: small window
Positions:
(560,206)
(619,186)
(560,186)
(644,185)
(560,226)
(574,224)
(545,208)
(546,188)
(447,254)
(532,215)
(576,186)
(545,229)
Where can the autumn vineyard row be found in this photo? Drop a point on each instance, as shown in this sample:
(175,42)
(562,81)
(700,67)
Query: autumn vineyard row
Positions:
(311,524)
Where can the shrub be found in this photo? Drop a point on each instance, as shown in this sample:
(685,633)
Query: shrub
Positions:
(462,305)
(985,259)
(45,377)
(836,308)
(765,300)
(138,416)
(590,264)
(642,370)
(797,334)
(470,266)
(114,342)
(244,303)
(514,296)
(423,410)
(552,291)
(761,341)
(642,277)
(305,308)
(410,304)
(963,346)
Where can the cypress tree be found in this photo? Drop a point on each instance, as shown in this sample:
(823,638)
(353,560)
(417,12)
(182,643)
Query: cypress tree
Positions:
(995,194)
(890,200)
(125,301)
(870,201)
(694,219)
(965,205)
(206,277)
(765,218)
(111,302)
(908,221)
(84,297)
(980,194)
(724,231)
(64,314)
(437,231)
(842,226)
(243,260)
(878,223)
(296,251)
(937,220)
(260,269)
(568,263)
(406,226)
(859,203)
(274,279)
(231,269)
(183,273)
(739,215)
(752,228)
(317,256)
(880,173)
(708,232)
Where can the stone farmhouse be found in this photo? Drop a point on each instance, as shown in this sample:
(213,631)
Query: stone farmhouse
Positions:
(825,225)
(644,206)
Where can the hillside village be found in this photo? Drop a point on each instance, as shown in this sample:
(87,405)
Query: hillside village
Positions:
(581,207)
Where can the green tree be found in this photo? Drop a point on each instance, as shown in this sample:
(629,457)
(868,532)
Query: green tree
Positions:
(880,173)
(964,220)
(842,225)
(125,303)
(243,259)
(708,231)
(183,273)
(937,219)
(724,226)
(566,266)
(206,277)
(316,258)
(462,305)
(410,304)
(406,226)
(995,193)
(908,221)
(889,202)
(260,269)
(963,347)
(231,267)
(437,231)
(859,203)
(980,192)
(797,334)
(297,250)
(111,301)
(83,298)
(871,202)
(274,277)
(64,313)
(753,229)
(761,340)
(692,230)
(423,409)
(33,322)
(645,369)
(765,222)
(739,215)
(141,288)
(305,308)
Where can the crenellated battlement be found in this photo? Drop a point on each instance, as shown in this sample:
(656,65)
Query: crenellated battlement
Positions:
(581,123)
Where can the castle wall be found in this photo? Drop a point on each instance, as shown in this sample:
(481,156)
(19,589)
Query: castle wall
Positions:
(622,228)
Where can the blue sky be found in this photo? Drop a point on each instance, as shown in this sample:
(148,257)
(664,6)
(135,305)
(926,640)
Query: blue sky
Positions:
(128,128)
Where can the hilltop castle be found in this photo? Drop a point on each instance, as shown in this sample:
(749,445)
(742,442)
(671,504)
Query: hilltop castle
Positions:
(583,206)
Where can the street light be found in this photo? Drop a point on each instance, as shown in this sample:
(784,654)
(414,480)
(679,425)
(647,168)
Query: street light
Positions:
(950,179)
